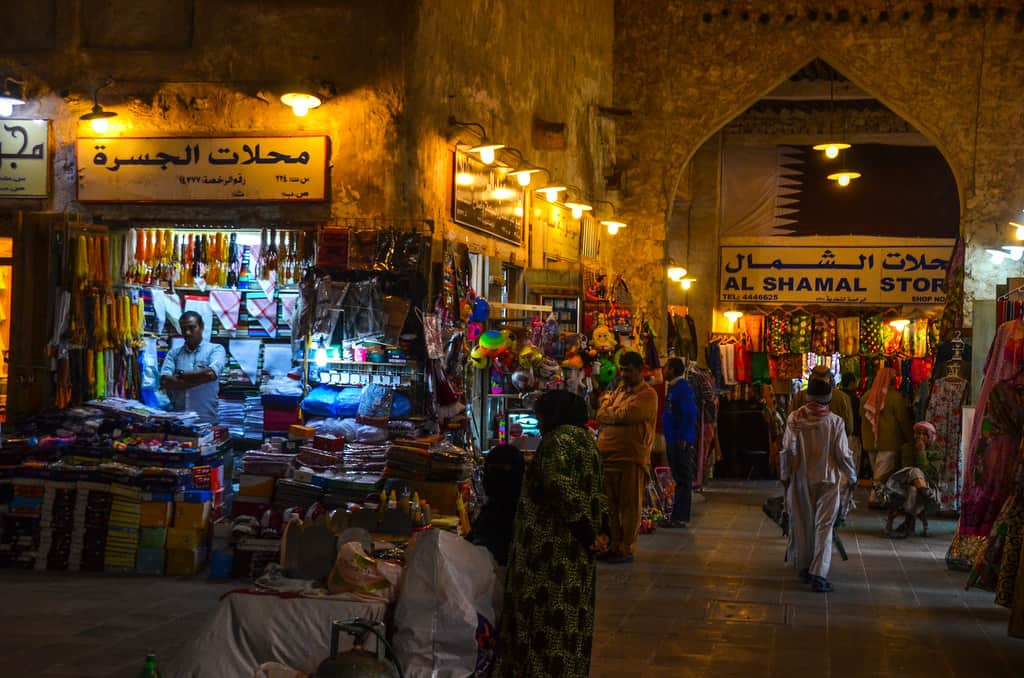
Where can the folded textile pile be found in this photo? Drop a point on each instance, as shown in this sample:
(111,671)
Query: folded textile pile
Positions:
(370,458)
(56,526)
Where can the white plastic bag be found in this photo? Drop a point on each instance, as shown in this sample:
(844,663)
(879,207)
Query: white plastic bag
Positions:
(447,583)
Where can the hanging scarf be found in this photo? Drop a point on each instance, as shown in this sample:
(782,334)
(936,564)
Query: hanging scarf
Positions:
(874,399)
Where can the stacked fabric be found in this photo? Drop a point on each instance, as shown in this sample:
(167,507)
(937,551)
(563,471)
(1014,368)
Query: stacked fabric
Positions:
(56,525)
(123,528)
(231,413)
(253,420)
(20,543)
(370,458)
(89,537)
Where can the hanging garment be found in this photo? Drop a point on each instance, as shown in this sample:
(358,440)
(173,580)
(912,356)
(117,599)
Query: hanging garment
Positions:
(800,333)
(226,305)
(753,326)
(264,311)
(729,364)
(824,335)
(994,438)
(953,310)
(919,332)
(288,303)
(945,414)
(848,331)
(850,365)
(871,340)
(778,333)
(743,364)
(714,352)
(760,372)
(791,366)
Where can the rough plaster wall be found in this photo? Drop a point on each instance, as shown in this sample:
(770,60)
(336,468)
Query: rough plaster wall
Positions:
(500,63)
(242,56)
(957,80)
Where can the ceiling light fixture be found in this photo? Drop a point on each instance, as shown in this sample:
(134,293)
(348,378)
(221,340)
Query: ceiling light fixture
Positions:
(832,148)
(733,315)
(97,117)
(7,99)
(844,177)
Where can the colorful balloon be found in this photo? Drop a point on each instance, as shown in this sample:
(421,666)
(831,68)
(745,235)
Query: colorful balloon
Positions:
(478,358)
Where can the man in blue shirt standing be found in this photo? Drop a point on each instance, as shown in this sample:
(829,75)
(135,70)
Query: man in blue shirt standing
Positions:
(679,424)
(190,371)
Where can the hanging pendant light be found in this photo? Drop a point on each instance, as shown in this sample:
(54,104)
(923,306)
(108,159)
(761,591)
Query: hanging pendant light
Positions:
(831,147)
(844,177)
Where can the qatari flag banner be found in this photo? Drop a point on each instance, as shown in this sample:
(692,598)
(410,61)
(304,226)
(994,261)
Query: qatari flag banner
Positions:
(904,192)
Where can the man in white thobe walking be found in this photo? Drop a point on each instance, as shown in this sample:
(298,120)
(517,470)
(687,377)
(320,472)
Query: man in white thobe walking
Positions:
(814,463)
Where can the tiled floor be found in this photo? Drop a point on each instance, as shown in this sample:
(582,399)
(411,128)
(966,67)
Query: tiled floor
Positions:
(715,600)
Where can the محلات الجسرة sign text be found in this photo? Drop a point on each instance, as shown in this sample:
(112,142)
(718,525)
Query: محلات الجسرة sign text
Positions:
(206,169)
(24,160)
(822,271)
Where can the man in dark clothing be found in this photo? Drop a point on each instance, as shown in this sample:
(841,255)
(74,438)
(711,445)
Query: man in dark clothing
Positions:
(848,385)
(679,424)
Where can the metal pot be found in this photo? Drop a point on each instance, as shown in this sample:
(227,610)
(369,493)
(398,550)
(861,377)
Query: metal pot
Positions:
(357,662)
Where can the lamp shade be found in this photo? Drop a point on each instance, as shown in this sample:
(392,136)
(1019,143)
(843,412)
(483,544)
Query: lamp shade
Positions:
(831,148)
(844,177)
(300,102)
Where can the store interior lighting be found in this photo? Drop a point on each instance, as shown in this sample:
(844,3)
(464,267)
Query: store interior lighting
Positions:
(98,118)
(832,148)
(8,100)
(899,324)
(733,315)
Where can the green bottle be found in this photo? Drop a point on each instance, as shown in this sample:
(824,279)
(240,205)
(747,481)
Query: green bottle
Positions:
(149,670)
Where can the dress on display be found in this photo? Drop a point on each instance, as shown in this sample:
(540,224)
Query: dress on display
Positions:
(945,414)
(992,450)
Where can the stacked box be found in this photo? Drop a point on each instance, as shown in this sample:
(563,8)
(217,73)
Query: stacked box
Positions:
(92,515)
(156,513)
(185,562)
(150,561)
(56,526)
(123,529)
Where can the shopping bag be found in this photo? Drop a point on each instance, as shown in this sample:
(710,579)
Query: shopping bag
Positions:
(448,594)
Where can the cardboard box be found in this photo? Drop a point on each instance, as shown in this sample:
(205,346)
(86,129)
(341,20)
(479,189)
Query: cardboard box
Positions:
(188,514)
(185,562)
(256,486)
(185,538)
(156,514)
(152,538)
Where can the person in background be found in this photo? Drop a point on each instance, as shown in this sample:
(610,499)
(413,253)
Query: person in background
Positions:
(190,371)
(547,624)
(913,489)
(679,424)
(814,462)
(503,478)
(848,386)
(886,424)
(626,416)
(840,402)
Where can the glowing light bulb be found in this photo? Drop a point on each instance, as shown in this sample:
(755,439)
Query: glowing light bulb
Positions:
(686,283)
(844,180)
(487,155)
(6,108)
(503,193)
(464,179)
(843,177)
(676,273)
(578,208)
(577,212)
(832,152)
(321,356)
(100,125)
(733,316)
(1019,232)
(523,178)
(899,324)
(300,102)
(300,109)
(550,193)
(613,226)
(518,211)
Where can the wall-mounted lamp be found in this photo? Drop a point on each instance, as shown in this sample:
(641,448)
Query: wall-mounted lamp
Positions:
(485,148)
(551,192)
(578,208)
(300,102)
(613,226)
(674,271)
(7,98)
(97,117)
(522,171)
(687,283)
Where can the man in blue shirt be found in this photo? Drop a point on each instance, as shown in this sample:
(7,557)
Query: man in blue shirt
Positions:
(190,371)
(679,424)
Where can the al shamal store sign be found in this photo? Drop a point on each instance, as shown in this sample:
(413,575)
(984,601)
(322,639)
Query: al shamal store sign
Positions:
(853,271)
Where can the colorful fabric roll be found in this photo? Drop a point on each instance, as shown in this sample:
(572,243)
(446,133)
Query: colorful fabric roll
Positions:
(848,331)
(800,327)
(871,339)
(778,333)
(824,335)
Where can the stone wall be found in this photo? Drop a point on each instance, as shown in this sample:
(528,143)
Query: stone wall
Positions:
(396,69)
(686,69)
